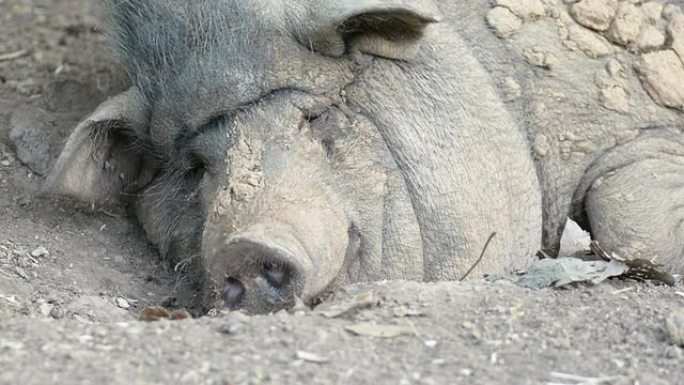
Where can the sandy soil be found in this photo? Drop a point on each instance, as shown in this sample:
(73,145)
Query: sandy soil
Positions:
(72,282)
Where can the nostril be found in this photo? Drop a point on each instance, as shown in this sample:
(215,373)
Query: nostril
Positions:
(232,293)
(276,275)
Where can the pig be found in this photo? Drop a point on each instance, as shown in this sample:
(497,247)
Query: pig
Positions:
(286,147)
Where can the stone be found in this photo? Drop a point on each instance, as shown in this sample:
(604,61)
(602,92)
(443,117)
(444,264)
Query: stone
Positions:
(662,75)
(40,251)
(614,98)
(57,312)
(594,14)
(650,38)
(45,309)
(539,57)
(512,89)
(615,69)
(504,22)
(524,9)
(122,303)
(592,44)
(676,32)
(627,24)
(652,11)
(670,10)
(31,133)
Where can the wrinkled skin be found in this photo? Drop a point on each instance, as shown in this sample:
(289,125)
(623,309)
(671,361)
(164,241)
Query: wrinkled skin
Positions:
(286,147)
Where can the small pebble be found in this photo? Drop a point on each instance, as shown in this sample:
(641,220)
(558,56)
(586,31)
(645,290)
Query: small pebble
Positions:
(122,303)
(45,309)
(40,252)
(21,272)
(57,312)
(674,353)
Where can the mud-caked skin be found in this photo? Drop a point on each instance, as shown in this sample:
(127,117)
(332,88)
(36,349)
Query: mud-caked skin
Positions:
(285,147)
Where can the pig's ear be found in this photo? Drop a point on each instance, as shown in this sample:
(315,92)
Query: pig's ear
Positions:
(388,28)
(99,159)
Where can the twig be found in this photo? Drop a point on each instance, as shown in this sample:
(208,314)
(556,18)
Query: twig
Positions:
(642,269)
(13,55)
(617,292)
(479,259)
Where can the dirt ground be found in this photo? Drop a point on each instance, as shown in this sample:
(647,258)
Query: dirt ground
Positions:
(72,282)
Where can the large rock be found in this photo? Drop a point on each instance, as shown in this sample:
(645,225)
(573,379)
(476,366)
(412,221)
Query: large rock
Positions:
(676,31)
(32,131)
(592,44)
(503,21)
(627,24)
(652,11)
(662,75)
(525,9)
(595,14)
(650,38)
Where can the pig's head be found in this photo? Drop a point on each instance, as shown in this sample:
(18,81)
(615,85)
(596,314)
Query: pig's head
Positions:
(235,145)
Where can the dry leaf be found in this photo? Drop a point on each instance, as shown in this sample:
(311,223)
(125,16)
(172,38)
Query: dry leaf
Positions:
(564,271)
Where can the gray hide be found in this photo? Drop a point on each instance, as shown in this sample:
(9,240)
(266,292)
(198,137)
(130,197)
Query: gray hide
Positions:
(284,147)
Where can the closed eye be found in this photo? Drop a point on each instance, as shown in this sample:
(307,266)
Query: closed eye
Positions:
(224,116)
(214,123)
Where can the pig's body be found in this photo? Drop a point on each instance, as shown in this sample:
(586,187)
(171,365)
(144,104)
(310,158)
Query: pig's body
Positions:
(292,146)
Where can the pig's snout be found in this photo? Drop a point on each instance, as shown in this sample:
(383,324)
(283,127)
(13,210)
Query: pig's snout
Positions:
(259,275)
(293,252)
